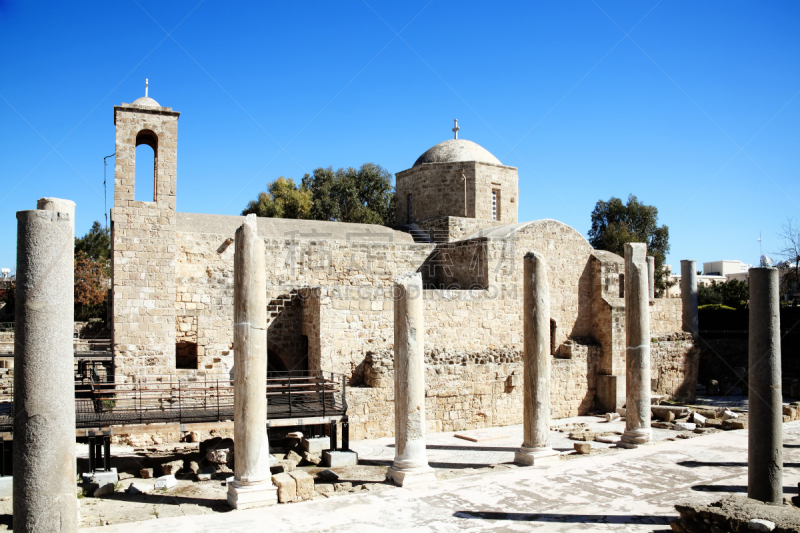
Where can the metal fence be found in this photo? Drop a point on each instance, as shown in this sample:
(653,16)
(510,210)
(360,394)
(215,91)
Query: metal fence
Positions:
(102,403)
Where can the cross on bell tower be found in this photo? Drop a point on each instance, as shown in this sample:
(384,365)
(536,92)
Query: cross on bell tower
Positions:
(455,128)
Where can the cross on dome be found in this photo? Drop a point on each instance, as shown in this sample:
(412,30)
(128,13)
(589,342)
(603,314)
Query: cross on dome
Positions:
(455,128)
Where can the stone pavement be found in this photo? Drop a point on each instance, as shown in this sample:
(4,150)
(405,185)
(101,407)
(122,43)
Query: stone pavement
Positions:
(630,490)
(496,445)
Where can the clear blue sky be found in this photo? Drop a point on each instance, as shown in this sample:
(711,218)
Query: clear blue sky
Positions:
(691,106)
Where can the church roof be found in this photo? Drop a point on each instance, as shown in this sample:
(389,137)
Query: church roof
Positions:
(456,150)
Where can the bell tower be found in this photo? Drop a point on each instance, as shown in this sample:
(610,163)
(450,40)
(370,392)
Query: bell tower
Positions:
(143,242)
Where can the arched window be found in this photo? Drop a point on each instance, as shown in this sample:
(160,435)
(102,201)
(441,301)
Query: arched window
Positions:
(146,165)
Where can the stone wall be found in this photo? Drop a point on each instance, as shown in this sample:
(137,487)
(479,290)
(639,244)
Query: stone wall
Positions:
(674,362)
(504,180)
(469,390)
(143,249)
(437,191)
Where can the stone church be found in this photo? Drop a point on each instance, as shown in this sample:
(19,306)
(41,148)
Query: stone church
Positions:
(330,291)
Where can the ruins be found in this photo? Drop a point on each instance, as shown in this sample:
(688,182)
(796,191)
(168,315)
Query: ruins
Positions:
(329,291)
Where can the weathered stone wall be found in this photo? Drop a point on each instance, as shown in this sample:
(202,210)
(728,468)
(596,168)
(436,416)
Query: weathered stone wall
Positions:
(143,249)
(665,315)
(503,179)
(452,229)
(674,362)
(437,191)
(469,390)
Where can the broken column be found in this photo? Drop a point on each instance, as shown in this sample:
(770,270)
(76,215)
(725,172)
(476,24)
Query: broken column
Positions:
(44,388)
(637,353)
(536,328)
(252,486)
(689,296)
(765,433)
(410,464)
(651,276)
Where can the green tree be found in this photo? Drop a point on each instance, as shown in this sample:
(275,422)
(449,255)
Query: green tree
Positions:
(284,200)
(615,223)
(733,293)
(790,253)
(96,244)
(363,195)
(92,272)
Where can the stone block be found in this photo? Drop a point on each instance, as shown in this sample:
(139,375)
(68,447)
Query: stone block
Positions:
(583,448)
(699,419)
(305,484)
(727,415)
(312,458)
(166,482)
(171,468)
(104,490)
(317,445)
(100,477)
(206,473)
(342,487)
(405,479)
(336,459)
(324,488)
(685,426)
(287,487)
(757,524)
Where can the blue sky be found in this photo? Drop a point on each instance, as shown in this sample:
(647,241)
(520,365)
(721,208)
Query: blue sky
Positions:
(692,106)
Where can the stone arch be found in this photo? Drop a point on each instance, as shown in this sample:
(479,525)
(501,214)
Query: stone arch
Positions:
(146,137)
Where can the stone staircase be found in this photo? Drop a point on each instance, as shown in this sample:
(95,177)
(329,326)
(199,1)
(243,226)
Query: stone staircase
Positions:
(275,306)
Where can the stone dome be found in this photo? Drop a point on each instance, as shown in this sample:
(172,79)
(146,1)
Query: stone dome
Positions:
(145,101)
(456,150)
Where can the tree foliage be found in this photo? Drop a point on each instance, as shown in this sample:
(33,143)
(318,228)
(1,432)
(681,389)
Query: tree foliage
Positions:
(96,244)
(733,293)
(285,199)
(790,253)
(92,273)
(615,223)
(364,195)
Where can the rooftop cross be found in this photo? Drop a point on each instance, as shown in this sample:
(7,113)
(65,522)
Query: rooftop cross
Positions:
(456,128)
(146,83)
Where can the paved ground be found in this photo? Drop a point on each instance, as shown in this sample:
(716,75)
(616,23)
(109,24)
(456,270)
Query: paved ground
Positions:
(496,445)
(630,490)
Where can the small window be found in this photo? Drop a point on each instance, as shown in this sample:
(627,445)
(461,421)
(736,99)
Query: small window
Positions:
(410,208)
(186,355)
(553,332)
(495,204)
(622,285)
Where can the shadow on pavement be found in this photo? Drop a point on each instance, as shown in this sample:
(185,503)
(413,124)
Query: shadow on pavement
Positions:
(695,464)
(565,518)
(735,488)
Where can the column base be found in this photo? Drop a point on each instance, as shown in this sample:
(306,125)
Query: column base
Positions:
(530,456)
(635,437)
(421,476)
(248,496)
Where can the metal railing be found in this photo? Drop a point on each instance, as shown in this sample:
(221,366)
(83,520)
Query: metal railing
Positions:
(170,399)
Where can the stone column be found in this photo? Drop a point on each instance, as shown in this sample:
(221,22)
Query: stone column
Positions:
(651,276)
(252,486)
(536,331)
(637,353)
(44,388)
(765,434)
(689,296)
(410,461)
